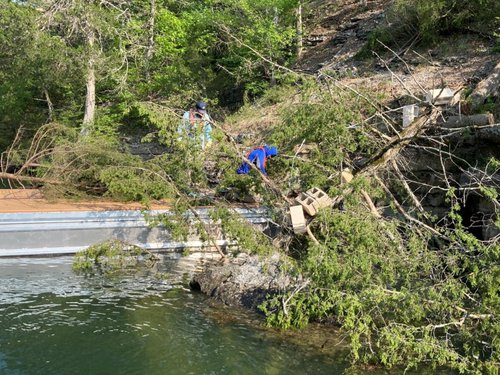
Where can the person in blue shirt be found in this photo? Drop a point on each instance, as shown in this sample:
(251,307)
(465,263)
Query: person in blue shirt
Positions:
(196,122)
(258,156)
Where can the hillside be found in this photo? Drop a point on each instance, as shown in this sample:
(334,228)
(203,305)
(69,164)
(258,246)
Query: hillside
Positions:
(339,31)
(335,42)
(389,78)
(435,180)
(403,252)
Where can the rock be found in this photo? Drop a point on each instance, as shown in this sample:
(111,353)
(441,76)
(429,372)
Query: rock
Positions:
(314,40)
(242,137)
(435,200)
(305,149)
(348,26)
(243,281)
(487,87)
(339,39)
(362,34)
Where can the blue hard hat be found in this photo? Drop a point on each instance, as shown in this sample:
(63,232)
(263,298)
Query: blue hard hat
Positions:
(201,107)
(271,151)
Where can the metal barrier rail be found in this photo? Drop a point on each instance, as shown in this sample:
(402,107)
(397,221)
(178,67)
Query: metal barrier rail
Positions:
(54,233)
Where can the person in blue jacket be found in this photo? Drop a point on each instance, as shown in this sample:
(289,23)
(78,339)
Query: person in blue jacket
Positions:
(258,156)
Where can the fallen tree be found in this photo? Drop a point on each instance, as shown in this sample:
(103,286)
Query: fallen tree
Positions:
(406,286)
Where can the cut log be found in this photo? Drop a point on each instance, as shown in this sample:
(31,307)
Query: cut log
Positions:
(472,120)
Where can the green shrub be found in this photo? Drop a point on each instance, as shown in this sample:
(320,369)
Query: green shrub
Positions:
(112,256)
(401,302)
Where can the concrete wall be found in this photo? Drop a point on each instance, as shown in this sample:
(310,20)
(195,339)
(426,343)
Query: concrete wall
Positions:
(51,233)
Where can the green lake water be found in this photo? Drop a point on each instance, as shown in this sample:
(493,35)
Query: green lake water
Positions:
(53,321)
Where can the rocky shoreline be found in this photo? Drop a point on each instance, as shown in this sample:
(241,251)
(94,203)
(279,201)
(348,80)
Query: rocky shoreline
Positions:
(244,280)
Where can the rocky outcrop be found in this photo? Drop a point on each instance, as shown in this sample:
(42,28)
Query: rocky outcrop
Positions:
(489,87)
(245,280)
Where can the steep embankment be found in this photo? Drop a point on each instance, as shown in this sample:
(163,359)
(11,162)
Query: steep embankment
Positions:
(336,40)
(339,30)
(408,264)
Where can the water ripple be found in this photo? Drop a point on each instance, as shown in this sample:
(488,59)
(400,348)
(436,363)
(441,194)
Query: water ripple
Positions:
(56,322)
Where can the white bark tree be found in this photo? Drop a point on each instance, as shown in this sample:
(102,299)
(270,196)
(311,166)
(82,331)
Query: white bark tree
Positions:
(299,29)
(89,25)
(90,100)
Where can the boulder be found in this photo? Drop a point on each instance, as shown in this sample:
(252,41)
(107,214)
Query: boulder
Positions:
(243,281)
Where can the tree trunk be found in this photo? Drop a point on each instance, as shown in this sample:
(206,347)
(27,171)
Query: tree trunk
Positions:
(472,120)
(399,142)
(151,30)
(272,68)
(299,30)
(151,39)
(89,116)
(49,104)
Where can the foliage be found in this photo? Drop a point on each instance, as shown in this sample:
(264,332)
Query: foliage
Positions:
(137,54)
(405,294)
(93,167)
(244,234)
(178,220)
(112,256)
(400,305)
(336,133)
(196,44)
(31,73)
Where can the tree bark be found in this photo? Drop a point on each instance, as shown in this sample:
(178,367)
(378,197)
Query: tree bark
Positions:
(151,38)
(89,116)
(49,104)
(398,142)
(299,30)
(151,30)
(472,120)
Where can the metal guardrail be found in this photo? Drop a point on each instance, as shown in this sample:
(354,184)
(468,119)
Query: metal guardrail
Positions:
(55,233)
